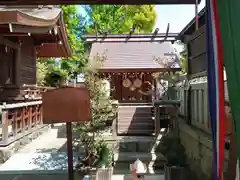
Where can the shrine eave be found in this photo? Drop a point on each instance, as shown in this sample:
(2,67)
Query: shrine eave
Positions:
(140,70)
(110,38)
(59,2)
(37,21)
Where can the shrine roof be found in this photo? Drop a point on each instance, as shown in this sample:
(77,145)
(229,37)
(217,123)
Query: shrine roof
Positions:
(44,23)
(40,16)
(135,55)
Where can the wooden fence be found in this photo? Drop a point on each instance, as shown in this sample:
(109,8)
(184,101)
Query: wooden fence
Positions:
(196,100)
(18,120)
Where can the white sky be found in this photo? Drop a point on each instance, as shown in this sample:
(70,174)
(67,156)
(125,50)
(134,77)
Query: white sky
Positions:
(177,15)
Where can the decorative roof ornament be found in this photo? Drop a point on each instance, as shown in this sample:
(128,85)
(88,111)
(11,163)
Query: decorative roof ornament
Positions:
(137,83)
(126,83)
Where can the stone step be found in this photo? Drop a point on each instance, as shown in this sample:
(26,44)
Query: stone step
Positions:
(112,138)
(150,159)
(146,144)
(64,176)
(141,147)
(121,168)
(132,156)
(153,166)
(141,144)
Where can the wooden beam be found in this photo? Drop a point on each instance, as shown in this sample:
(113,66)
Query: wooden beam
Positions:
(9,43)
(154,33)
(150,70)
(166,34)
(14,34)
(17,67)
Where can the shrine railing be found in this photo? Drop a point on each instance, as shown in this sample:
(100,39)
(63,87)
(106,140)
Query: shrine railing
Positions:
(18,120)
(33,92)
(195,100)
(197,96)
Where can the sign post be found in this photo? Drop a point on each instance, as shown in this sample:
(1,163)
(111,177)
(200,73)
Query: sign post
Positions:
(69,151)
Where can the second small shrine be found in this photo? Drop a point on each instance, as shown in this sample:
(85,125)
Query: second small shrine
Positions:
(131,61)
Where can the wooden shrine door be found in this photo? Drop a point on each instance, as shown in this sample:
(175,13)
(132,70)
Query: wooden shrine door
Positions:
(137,87)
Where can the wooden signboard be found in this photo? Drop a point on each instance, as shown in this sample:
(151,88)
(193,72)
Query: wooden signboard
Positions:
(67,104)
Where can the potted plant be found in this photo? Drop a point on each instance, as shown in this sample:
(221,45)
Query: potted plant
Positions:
(104,162)
(98,161)
(173,150)
(97,153)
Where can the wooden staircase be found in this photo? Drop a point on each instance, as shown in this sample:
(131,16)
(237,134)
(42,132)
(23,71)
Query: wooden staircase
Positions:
(135,120)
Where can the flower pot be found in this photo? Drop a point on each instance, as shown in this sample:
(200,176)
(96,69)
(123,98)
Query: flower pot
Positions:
(104,173)
(174,172)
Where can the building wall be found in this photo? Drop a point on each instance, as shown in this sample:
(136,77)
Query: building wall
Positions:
(195,126)
(9,92)
(27,61)
(196,48)
(195,134)
(7,61)
(198,148)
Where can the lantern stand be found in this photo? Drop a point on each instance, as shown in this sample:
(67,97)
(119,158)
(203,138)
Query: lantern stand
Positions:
(67,105)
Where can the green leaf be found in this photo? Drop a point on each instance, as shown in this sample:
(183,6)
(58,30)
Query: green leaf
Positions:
(121,18)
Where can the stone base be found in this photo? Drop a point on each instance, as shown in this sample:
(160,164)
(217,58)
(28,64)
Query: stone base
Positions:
(63,175)
(138,144)
(8,151)
(198,148)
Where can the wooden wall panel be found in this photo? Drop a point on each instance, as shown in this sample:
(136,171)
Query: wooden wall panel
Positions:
(7,61)
(27,61)
(196,47)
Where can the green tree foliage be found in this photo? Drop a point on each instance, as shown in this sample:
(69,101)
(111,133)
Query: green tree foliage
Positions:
(183,57)
(41,72)
(102,110)
(120,18)
(71,66)
(49,74)
(75,25)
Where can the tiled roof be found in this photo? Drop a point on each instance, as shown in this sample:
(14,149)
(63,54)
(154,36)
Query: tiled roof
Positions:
(134,55)
(24,15)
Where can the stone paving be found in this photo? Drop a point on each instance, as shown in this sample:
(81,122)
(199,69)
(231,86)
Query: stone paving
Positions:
(47,152)
(46,159)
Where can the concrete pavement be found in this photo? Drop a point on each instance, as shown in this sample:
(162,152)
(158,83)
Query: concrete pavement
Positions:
(45,158)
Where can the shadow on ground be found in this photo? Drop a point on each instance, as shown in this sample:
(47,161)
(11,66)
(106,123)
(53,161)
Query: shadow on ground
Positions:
(56,158)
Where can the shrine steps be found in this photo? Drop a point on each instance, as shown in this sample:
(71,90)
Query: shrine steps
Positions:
(63,175)
(135,120)
(130,148)
(150,159)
